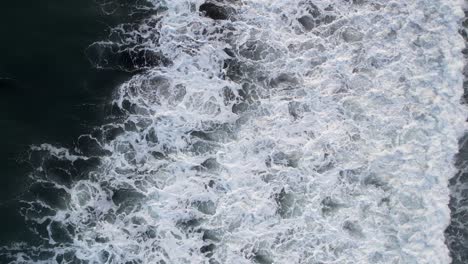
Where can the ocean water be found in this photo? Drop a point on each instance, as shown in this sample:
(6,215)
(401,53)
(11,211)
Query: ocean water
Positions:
(260,132)
(457,232)
(49,91)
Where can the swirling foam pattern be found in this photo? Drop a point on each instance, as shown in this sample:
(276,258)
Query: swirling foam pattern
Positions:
(282,132)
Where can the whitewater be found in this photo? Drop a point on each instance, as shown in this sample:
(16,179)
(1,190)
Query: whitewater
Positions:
(263,132)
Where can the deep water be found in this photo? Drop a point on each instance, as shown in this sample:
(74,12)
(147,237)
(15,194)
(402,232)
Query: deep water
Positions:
(49,90)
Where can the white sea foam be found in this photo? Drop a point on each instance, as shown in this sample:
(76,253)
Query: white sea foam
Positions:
(328,138)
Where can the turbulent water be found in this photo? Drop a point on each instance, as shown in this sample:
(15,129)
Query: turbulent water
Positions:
(260,131)
(457,232)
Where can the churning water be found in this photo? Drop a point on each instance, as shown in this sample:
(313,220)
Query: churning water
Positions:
(260,131)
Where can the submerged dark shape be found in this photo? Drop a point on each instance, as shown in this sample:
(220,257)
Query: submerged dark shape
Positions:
(208,249)
(315,17)
(126,196)
(262,257)
(330,205)
(211,164)
(285,201)
(284,79)
(307,22)
(313,10)
(353,228)
(216,11)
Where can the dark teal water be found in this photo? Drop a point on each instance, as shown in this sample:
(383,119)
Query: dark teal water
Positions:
(49,91)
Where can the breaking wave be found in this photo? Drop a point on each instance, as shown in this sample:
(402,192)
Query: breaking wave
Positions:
(262,132)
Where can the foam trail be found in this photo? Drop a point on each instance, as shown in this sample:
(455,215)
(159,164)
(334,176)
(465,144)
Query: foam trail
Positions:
(265,132)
